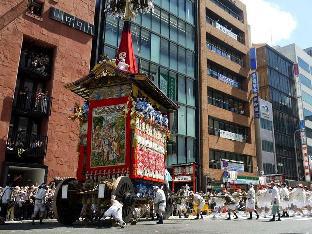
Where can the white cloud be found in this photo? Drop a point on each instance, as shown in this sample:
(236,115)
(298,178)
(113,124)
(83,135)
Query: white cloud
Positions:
(269,23)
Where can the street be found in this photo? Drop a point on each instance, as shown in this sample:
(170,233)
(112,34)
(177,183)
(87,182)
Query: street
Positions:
(174,225)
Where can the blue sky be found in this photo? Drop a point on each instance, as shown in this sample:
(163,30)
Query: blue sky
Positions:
(281,22)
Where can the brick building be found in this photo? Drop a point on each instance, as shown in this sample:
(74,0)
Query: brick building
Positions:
(227,122)
(44,44)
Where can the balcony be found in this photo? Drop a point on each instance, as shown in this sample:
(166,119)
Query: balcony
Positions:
(228,135)
(35,104)
(21,146)
(36,64)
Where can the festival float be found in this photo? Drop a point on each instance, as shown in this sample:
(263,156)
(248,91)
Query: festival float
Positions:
(123,135)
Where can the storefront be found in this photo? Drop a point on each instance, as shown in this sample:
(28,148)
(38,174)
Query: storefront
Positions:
(184,174)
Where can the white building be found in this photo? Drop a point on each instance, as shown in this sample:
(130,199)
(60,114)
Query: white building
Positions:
(304,91)
(266,153)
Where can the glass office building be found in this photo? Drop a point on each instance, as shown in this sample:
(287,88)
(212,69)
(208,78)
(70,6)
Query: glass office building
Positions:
(165,46)
(278,86)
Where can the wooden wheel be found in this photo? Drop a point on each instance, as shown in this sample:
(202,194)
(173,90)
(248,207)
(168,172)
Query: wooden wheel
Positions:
(123,190)
(67,211)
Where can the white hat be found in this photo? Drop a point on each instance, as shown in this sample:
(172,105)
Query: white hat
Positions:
(113,197)
(155,187)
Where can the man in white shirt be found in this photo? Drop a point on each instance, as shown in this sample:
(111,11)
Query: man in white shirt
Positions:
(39,207)
(5,199)
(115,211)
(276,199)
(159,203)
(251,202)
(284,194)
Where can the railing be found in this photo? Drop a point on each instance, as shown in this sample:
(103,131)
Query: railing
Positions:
(225,30)
(222,52)
(228,135)
(225,79)
(226,106)
(36,63)
(228,10)
(23,144)
(33,103)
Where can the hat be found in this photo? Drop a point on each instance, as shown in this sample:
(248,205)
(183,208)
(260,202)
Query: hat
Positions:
(300,185)
(113,197)
(155,187)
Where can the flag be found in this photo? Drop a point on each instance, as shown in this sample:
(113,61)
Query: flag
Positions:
(126,47)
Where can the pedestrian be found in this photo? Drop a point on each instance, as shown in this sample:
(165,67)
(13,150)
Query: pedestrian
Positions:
(39,207)
(275,201)
(6,197)
(251,202)
(198,201)
(298,195)
(159,203)
(231,204)
(284,193)
(115,212)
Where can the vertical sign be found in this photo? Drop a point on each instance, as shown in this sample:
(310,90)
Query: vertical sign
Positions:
(255,90)
(253,58)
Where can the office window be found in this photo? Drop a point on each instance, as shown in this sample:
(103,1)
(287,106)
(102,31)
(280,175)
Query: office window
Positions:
(120,28)
(172,86)
(189,11)
(190,37)
(174,6)
(266,124)
(307,113)
(181,33)
(182,120)
(173,122)
(163,80)
(146,44)
(181,89)
(181,60)
(303,64)
(164,24)
(154,73)
(182,9)
(156,20)
(173,28)
(190,145)
(190,63)
(173,56)
(165,4)
(190,92)
(135,30)
(307,97)
(157,2)
(191,126)
(111,31)
(147,20)
(181,150)
(110,52)
(164,52)
(305,81)
(267,146)
(144,66)
(172,153)
(155,48)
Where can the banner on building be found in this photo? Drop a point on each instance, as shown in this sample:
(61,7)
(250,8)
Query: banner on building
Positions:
(232,166)
(306,163)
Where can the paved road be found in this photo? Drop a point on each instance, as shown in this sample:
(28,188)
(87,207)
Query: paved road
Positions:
(172,226)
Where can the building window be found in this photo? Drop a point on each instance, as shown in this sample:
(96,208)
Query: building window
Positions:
(189,11)
(267,146)
(303,64)
(35,8)
(190,63)
(155,48)
(145,44)
(164,52)
(181,150)
(156,20)
(111,31)
(266,124)
(190,144)
(305,81)
(181,89)
(182,120)
(216,156)
(190,96)
(191,126)
(164,26)
(307,97)
(174,6)
(227,130)
(173,56)
(226,102)
(173,28)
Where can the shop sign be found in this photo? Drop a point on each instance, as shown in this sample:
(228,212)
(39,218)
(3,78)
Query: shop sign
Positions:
(183,178)
(226,31)
(255,86)
(228,81)
(265,111)
(231,136)
(71,21)
(256,106)
(306,163)
(183,170)
(232,166)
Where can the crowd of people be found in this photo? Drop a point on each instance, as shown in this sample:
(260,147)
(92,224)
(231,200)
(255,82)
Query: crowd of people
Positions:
(20,203)
(275,200)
